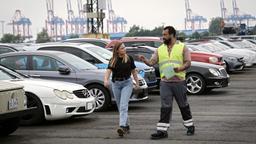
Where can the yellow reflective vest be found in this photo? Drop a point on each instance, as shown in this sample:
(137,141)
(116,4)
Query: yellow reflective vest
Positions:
(168,62)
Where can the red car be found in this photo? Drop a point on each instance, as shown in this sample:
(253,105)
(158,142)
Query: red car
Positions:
(207,57)
(155,42)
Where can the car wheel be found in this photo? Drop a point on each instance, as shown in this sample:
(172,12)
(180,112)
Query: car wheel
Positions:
(9,126)
(36,116)
(195,84)
(102,97)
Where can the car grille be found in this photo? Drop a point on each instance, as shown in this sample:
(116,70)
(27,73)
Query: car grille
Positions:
(141,82)
(223,72)
(84,93)
(150,76)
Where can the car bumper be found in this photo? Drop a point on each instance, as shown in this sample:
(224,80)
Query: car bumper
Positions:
(20,113)
(217,82)
(237,67)
(62,109)
(139,95)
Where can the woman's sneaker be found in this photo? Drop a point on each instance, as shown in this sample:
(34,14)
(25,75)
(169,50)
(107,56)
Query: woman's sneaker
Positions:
(123,130)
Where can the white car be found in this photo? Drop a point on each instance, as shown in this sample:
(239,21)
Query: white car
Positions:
(53,99)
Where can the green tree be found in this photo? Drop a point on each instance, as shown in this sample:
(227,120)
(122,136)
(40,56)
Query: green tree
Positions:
(43,37)
(196,35)
(137,31)
(215,26)
(10,38)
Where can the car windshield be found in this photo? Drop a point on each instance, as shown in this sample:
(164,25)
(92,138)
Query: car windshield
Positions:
(104,53)
(13,72)
(6,74)
(135,54)
(76,61)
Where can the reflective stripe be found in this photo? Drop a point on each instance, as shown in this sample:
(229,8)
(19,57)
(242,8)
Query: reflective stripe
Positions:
(161,128)
(188,124)
(187,121)
(169,61)
(163,125)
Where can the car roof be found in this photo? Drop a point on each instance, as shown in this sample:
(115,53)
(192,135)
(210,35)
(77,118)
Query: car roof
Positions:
(89,39)
(68,44)
(49,53)
(127,39)
(14,46)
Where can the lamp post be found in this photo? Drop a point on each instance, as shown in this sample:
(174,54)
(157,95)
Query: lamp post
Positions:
(2,22)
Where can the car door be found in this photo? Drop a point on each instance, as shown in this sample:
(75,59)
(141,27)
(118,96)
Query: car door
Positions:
(16,62)
(46,67)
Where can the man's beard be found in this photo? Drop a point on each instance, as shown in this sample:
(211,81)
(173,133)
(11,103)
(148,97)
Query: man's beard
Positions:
(167,41)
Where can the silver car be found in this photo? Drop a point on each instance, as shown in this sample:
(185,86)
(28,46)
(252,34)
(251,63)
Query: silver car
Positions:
(62,66)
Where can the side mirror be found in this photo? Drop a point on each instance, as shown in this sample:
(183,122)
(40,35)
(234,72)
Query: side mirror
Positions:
(64,70)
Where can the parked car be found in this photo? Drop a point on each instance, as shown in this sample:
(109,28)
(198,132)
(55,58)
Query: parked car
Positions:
(232,63)
(5,48)
(97,56)
(95,41)
(200,77)
(55,65)
(53,99)
(249,56)
(13,105)
(139,41)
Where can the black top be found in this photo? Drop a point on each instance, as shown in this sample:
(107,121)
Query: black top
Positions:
(122,70)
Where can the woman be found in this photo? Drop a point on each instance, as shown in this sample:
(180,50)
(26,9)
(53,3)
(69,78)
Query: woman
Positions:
(121,66)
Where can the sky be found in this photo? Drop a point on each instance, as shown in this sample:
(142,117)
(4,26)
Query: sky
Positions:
(145,13)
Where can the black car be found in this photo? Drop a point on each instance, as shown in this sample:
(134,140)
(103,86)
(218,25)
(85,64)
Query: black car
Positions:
(200,77)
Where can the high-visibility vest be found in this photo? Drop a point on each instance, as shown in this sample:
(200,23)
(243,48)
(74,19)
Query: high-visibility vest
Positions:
(174,60)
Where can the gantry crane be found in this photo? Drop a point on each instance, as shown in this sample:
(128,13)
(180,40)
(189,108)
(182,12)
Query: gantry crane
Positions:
(191,19)
(54,24)
(21,25)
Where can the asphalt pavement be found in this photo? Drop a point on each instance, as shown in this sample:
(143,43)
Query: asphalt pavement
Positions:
(224,116)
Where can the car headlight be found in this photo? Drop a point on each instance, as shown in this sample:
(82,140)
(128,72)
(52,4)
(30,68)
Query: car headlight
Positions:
(140,72)
(213,59)
(215,72)
(63,94)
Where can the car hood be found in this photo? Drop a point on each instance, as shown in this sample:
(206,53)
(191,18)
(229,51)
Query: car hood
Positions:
(236,53)
(141,65)
(205,54)
(48,83)
(205,65)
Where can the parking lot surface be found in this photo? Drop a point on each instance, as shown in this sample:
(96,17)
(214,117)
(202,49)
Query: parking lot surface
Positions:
(225,116)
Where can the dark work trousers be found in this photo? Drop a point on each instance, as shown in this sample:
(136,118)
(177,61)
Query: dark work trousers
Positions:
(178,90)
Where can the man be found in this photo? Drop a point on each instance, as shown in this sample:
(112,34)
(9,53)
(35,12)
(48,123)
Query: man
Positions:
(173,59)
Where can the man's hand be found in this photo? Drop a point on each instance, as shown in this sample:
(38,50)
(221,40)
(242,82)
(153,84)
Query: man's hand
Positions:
(141,58)
(177,69)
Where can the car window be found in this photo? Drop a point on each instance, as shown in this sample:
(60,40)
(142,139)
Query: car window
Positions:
(102,52)
(75,51)
(101,44)
(5,76)
(15,62)
(4,49)
(44,63)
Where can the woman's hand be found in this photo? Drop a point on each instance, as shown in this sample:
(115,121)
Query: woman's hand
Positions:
(106,83)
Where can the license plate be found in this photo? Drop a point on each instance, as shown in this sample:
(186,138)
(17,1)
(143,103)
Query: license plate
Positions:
(89,105)
(13,104)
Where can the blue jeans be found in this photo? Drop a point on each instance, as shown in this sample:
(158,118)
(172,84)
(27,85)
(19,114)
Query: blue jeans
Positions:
(122,92)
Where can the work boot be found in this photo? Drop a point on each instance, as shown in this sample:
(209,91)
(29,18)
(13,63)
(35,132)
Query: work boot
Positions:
(159,135)
(122,130)
(191,130)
